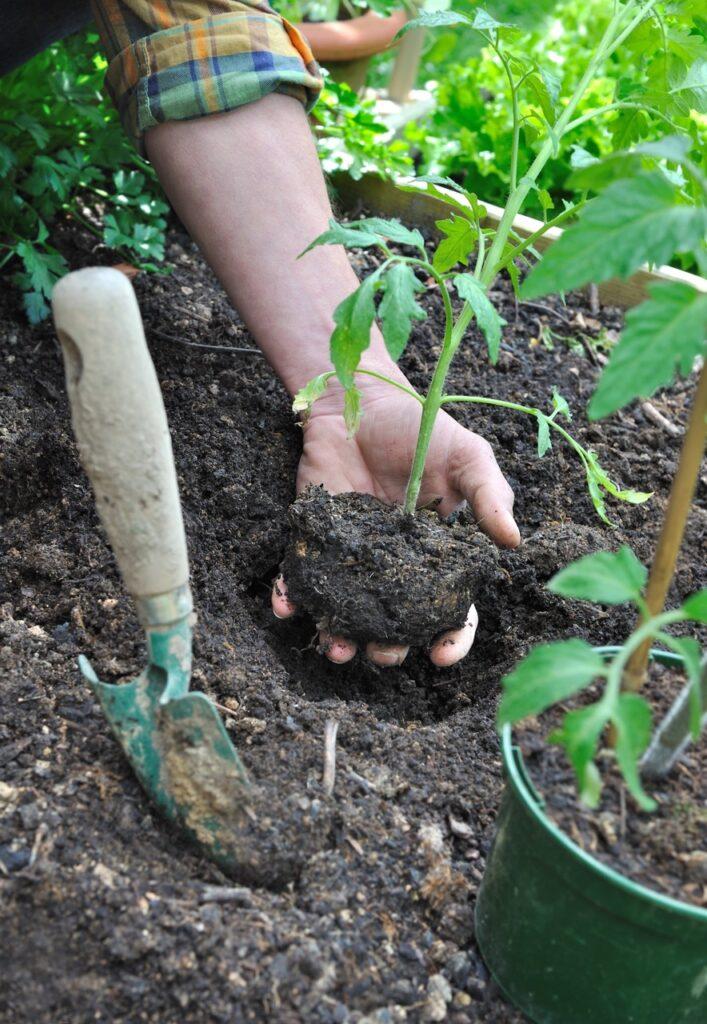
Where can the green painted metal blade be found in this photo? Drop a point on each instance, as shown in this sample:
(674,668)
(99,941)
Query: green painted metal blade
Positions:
(183,758)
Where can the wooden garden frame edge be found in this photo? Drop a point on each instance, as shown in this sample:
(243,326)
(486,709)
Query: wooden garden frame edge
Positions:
(381,198)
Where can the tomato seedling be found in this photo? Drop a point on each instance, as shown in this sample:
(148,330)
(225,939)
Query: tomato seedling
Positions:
(557,671)
(484,252)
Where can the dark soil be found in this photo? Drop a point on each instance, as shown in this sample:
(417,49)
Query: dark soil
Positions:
(665,850)
(106,914)
(371,572)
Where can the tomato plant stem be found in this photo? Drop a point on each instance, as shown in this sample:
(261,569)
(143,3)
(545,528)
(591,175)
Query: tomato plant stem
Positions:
(673,527)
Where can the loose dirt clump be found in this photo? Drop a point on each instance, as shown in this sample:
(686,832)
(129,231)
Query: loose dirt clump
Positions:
(372,572)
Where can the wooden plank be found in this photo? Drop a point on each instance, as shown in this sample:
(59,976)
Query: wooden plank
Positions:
(382,198)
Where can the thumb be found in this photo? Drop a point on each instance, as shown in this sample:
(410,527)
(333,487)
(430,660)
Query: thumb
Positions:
(486,489)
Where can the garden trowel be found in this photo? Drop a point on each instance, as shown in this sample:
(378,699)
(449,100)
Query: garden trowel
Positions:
(174,739)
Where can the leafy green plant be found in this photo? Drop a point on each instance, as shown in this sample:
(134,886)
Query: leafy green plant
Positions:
(350,138)
(471,254)
(63,154)
(553,673)
(469,133)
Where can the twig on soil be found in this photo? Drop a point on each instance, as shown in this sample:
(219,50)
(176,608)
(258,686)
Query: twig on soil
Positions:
(657,417)
(547,309)
(192,313)
(210,348)
(225,710)
(622,813)
(594,299)
(42,833)
(331,727)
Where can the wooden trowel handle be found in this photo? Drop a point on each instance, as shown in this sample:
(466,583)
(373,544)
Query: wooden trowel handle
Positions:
(120,424)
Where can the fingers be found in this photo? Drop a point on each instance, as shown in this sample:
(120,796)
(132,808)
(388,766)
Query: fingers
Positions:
(451,647)
(386,655)
(336,648)
(484,486)
(282,607)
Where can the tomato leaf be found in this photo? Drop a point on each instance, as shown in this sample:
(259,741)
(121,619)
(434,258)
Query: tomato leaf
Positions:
(696,606)
(544,442)
(487,317)
(352,334)
(549,673)
(632,717)
(634,221)
(308,395)
(399,307)
(560,405)
(343,234)
(393,231)
(605,578)
(664,334)
(579,735)
(455,247)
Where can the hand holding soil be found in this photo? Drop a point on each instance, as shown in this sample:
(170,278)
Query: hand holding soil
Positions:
(461,467)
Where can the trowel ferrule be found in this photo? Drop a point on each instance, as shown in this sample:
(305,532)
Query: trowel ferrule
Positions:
(164,609)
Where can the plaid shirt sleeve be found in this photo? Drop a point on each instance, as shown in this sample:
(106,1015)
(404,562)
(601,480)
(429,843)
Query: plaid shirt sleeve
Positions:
(178,59)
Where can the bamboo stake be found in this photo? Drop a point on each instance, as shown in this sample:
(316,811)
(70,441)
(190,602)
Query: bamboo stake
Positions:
(673,528)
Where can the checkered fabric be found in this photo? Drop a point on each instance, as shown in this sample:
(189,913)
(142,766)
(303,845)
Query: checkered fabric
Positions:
(180,59)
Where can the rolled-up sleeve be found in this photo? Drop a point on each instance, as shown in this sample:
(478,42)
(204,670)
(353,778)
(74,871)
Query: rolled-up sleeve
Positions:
(179,59)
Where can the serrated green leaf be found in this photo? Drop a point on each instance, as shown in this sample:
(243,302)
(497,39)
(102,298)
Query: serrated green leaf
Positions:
(544,442)
(662,335)
(487,317)
(43,268)
(393,231)
(29,124)
(434,19)
(605,481)
(430,186)
(35,306)
(597,498)
(7,159)
(579,735)
(399,307)
(308,395)
(632,718)
(560,405)
(691,652)
(605,577)
(347,235)
(455,248)
(688,86)
(633,222)
(352,410)
(485,22)
(696,606)
(352,334)
(544,88)
(546,200)
(671,147)
(548,674)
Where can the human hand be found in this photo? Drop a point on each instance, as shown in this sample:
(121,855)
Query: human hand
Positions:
(460,467)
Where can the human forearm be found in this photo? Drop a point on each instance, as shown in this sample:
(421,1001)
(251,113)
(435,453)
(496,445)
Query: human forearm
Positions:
(248,186)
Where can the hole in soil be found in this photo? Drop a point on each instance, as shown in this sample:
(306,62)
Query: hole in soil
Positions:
(416,691)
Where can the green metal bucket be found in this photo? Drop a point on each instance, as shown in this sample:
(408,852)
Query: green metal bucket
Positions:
(570,941)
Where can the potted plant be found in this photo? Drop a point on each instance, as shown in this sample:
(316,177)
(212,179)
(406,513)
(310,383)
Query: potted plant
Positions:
(570,939)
